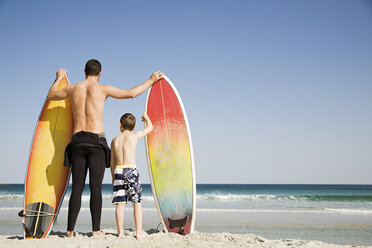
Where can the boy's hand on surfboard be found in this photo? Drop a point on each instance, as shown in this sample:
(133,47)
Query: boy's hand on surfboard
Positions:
(144,117)
(61,73)
(156,76)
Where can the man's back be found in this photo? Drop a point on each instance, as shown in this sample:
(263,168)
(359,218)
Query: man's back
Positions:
(88,98)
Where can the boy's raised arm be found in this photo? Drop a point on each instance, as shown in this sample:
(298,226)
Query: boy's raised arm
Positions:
(148,126)
(135,91)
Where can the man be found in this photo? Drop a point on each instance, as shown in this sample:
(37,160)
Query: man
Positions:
(88,148)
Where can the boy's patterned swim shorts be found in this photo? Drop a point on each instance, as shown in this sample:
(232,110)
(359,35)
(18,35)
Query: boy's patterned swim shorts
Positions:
(127,186)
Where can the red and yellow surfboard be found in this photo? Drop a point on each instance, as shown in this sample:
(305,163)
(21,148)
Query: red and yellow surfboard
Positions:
(46,178)
(170,158)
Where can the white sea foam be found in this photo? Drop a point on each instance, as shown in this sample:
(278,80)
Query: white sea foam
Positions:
(245,197)
(10,209)
(11,197)
(320,211)
(349,211)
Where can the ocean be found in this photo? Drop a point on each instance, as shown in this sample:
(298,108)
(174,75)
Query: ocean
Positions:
(340,214)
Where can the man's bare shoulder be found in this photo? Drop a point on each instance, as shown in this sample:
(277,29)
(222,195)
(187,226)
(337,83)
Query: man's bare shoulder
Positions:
(79,83)
(97,87)
(89,83)
(106,87)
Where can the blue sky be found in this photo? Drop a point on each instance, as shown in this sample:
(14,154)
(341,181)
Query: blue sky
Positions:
(275,91)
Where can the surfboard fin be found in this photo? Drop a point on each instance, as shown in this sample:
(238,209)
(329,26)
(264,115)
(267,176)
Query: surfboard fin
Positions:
(178,223)
(21,213)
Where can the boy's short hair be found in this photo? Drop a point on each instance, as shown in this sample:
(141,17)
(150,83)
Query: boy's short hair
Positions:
(128,121)
(93,67)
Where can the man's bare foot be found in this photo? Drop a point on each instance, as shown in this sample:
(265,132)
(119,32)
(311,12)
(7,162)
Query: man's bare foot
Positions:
(70,234)
(141,235)
(96,233)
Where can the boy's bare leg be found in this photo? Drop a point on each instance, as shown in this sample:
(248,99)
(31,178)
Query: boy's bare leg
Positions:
(138,221)
(120,218)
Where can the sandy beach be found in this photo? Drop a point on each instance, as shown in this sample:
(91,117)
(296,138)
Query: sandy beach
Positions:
(271,212)
(159,239)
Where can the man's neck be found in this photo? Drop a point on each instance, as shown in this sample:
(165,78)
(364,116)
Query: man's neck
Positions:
(92,78)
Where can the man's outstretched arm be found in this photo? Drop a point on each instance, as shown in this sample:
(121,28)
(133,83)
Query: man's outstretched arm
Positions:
(135,91)
(54,93)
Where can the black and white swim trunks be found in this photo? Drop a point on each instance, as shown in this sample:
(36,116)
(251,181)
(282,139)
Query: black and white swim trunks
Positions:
(127,186)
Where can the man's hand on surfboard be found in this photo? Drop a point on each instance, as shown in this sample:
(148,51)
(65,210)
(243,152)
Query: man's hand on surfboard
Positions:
(156,76)
(61,73)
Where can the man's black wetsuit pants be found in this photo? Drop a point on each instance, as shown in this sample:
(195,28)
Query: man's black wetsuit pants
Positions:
(83,159)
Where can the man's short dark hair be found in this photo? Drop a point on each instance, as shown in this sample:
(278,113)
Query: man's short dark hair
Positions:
(128,121)
(93,67)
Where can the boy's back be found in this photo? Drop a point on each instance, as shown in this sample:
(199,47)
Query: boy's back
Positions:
(124,148)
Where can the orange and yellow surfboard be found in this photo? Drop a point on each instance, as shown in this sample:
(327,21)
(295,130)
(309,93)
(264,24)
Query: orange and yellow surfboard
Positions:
(46,178)
(170,158)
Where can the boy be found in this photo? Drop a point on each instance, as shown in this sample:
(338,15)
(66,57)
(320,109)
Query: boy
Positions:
(125,176)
